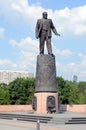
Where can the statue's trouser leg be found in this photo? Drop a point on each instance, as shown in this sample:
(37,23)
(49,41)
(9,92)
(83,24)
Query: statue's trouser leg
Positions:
(49,46)
(42,42)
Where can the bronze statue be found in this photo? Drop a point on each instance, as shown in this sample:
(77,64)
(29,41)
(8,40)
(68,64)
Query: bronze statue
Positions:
(43,30)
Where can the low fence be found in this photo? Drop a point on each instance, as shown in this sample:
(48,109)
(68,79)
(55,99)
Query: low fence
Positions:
(28,108)
(15,108)
(74,108)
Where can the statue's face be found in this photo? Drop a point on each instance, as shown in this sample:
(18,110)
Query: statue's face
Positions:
(45,15)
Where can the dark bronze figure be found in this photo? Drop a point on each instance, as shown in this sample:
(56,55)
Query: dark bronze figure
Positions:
(34,103)
(51,105)
(43,30)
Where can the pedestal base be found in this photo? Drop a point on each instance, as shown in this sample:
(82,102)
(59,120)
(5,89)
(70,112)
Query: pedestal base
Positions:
(45,103)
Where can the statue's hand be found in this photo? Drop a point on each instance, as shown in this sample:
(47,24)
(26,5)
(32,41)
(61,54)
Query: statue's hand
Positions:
(58,34)
(37,37)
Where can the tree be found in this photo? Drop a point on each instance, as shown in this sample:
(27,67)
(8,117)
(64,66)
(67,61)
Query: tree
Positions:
(72,92)
(4,94)
(21,91)
(82,92)
(67,91)
(60,88)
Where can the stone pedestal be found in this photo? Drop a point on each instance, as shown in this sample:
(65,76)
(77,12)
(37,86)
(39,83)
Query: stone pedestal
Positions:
(45,99)
(42,103)
(45,74)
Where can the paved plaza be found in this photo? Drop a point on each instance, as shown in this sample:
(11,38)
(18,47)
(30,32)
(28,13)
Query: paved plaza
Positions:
(24,125)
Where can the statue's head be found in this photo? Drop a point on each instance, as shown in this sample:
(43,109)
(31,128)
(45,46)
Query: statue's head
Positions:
(44,14)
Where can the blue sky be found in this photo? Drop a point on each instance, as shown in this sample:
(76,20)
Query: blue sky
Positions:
(19,47)
(57,4)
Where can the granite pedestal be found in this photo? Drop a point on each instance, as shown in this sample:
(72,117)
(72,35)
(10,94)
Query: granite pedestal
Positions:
(45,99)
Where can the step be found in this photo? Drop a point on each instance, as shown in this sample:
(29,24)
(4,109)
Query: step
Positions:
(31,118)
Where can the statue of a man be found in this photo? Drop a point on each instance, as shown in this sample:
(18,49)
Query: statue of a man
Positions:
(43,30)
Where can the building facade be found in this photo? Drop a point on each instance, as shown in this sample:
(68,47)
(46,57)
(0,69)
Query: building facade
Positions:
(7,76)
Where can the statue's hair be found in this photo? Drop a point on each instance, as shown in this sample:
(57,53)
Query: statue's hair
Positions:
(44,13)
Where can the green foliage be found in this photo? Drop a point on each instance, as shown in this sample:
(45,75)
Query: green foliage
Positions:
(82,92)
(21,91)
(60,88)
(71,92)
(4,94)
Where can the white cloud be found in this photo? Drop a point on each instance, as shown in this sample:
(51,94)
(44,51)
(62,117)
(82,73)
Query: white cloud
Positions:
(67,21)
(16,7)
(27,61)
(4,61)
(83,59)
(65,52)
(27,44)
(67,71)
(80,29)
(82,75)
(1,32)
(73,68)
(28,50)
(20,11)
(5,64)
(70,68)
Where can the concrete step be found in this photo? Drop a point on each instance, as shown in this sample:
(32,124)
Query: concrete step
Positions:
(77,120)
(30,118)
(50,119)
(58,120)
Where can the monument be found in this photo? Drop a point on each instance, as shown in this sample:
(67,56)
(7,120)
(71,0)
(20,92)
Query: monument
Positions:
(45,98)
